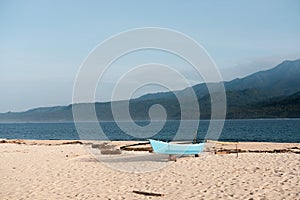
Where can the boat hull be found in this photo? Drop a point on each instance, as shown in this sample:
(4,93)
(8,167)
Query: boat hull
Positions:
(176,149)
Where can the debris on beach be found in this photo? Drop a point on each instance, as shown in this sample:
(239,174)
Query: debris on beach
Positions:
(147,193)
(107,149)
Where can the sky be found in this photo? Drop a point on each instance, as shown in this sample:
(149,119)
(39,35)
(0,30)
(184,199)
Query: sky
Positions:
(43,43)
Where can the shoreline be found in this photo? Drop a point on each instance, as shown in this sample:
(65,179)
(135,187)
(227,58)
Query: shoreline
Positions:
(221,146)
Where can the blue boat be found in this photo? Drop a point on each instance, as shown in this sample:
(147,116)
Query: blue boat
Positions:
(176,149)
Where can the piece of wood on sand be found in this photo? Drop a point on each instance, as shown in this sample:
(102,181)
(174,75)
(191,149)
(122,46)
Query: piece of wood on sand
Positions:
(148,193)
(111,151)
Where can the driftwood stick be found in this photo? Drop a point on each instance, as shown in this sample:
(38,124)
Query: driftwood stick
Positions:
(147,193)
(131,145)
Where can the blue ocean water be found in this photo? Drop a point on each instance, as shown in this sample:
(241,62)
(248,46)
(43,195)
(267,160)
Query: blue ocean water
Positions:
(266,130)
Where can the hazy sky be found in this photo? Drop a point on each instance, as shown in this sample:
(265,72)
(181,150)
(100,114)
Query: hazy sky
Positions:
(43,43)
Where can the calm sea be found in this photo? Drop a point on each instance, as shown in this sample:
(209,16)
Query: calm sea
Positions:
(267,130)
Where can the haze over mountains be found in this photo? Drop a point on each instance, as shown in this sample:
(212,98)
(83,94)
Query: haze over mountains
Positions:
(273,93)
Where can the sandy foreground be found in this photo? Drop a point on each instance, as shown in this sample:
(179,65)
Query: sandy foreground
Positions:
(51,170)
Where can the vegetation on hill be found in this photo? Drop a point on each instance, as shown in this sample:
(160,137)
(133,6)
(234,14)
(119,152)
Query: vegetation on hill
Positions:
(273,93)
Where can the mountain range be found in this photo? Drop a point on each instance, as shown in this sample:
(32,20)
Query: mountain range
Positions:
(274,93)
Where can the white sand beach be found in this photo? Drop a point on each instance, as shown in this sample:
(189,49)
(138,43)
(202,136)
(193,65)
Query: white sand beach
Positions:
(37,170)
